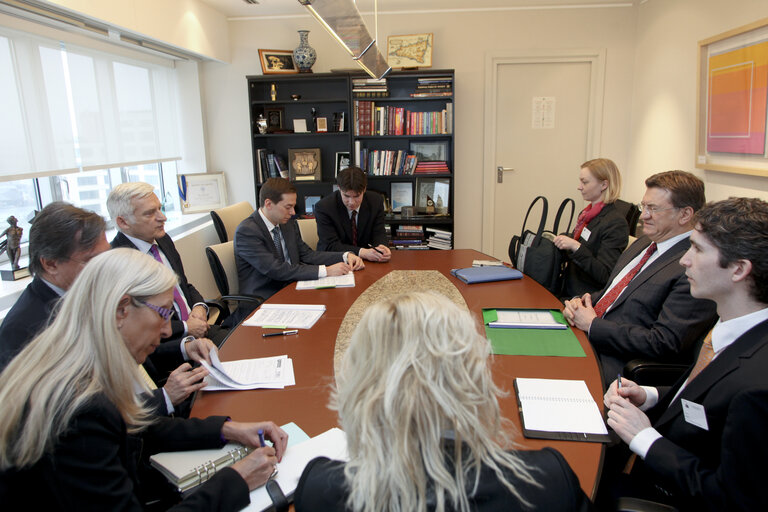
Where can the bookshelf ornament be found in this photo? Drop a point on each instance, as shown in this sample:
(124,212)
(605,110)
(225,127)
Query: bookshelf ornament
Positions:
(304,55)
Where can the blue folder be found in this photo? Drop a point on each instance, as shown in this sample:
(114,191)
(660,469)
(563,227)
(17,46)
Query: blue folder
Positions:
(473,275)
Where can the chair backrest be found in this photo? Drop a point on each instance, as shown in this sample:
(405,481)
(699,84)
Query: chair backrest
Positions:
(221,257)
(226,219)
(630,212)
(308,229)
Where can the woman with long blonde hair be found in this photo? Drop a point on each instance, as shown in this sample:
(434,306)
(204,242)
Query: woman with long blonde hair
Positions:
(424,430)
(74,432)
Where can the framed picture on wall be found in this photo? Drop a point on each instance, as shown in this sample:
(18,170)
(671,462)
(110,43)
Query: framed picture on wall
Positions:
(202,192)
(277,62)
(430,151)
(305,164)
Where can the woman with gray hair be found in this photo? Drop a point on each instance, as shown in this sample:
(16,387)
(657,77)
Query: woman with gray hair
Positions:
(424,430)
(73,433)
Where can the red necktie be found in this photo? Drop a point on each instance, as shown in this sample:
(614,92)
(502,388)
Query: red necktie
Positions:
(606,300)
(354,227)
(177,298)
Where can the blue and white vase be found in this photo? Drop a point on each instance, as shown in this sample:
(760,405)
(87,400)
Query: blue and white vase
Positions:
(304,55)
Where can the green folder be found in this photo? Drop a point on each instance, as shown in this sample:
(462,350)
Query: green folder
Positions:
(532,342)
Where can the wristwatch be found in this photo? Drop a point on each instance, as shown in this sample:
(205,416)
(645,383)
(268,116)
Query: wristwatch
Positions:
(187,339)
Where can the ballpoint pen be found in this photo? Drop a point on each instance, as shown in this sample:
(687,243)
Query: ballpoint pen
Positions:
(375,249)
(619,381)
(261,438)
(281,333)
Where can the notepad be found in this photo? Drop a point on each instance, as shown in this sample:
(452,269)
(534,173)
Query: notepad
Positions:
(190,468)
(345,281)
(526,319)
(286,316)
(473,275)
(559,409)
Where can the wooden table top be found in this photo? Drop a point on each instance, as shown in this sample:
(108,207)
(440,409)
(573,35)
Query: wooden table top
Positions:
(312,354)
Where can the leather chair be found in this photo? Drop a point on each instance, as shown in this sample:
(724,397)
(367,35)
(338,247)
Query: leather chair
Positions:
(226,220)
(221,258)
(630,212)
(308,229)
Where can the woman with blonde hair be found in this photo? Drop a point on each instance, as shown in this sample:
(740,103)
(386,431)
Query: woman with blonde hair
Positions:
(73,432)
(417,402)
(601,233)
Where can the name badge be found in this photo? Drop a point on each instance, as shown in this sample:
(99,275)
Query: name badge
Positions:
(694,414)
(586,233)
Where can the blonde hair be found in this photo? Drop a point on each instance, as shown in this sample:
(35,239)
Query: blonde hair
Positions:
(604,169)
(416,370)
(79,355)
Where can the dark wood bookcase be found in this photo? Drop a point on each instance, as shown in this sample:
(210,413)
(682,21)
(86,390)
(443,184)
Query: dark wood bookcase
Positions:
(331,94)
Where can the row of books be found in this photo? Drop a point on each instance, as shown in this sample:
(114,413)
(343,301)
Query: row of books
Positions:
(370,87)
(433,87)
(413,237)
(270,165)
(437,167)
(385,162)
(387,120)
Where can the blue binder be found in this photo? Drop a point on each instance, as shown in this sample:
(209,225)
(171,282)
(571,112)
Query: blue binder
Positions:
(473,275)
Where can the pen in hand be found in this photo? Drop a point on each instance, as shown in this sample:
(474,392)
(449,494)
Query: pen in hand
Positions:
(618,380)
(261,438)
(375,249)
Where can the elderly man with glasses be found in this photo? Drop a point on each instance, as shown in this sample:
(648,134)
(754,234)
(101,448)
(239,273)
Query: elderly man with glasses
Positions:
(646,309)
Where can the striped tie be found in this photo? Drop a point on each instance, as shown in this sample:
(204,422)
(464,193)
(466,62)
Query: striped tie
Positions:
(606,300)
(278,243)
(181,304)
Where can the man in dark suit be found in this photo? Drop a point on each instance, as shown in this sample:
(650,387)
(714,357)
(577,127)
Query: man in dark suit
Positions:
(270,253)
(352,219)
(646,310)
(704,449)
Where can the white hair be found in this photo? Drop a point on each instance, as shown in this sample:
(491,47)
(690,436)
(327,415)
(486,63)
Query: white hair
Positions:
(120,200)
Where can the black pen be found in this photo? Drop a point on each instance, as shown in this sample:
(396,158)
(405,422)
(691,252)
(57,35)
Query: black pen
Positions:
(282,333)
(375,249)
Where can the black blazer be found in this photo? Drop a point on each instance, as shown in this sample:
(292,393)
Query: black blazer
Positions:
(260,272)
(95,465)
(28,317)
(721,468)
(655,318)
(322,487)
(334,228)
(589,267)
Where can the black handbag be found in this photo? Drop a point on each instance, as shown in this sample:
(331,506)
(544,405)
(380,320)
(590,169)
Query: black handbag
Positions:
(535,254)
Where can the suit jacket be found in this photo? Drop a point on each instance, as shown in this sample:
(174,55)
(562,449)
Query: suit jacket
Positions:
(95,465)
(322,487)
(334,229)
(655,318)
(720,468)
(27,318)
(260,272)
(589,267)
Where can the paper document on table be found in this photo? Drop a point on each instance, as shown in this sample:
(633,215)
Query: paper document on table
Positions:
(286,316)
(526,319)
(331,443)
(563,408)
(266,372)
(345,281)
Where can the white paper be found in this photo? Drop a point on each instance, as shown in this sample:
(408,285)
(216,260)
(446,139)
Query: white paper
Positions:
(300,126)
(288,316)
(559,405)
(543,112)
(694,413)
(526,319)
(267,372)
(331,443)
(345,281)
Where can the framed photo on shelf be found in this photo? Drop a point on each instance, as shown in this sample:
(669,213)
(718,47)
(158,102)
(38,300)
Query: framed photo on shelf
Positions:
(342,161)
(305,164)
(309,204)
(274,117)
(401,193)
(410,51)
(277,62)
(202,192)
(300,126)
(322,124)
(430,151)
(439,190)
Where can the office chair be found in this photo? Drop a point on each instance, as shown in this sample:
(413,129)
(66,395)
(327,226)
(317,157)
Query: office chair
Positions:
(226,220)
(221,258)
(630,212)
(308,229)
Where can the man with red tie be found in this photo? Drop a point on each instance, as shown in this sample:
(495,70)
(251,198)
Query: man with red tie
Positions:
(704,449)
(646,310)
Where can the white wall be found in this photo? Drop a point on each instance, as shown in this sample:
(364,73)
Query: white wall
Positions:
(663,133)
(461,41)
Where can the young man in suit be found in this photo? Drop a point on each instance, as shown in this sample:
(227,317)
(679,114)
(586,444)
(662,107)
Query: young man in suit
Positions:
(270,253)
(646,310)
(352,219)
(706,449)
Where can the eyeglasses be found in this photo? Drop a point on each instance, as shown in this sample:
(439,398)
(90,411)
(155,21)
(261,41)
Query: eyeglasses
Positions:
(651,209)
(164,313)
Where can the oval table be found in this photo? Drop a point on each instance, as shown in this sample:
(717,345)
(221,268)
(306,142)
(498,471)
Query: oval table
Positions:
(312,352)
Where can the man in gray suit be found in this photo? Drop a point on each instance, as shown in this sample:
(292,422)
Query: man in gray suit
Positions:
(270,253)
(646,310)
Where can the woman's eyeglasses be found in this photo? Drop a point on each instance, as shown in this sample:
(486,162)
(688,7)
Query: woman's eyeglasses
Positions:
(165,313)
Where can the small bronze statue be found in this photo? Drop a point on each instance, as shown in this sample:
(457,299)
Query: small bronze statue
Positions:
(12,242)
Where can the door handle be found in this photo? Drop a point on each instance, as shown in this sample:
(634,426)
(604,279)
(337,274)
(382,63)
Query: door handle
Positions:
(500,173)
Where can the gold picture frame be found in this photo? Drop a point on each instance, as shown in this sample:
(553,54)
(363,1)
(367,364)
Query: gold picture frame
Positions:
(277,62)
(305,164)
(410,51)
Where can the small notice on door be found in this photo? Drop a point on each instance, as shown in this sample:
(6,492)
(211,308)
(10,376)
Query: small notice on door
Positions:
(543,113)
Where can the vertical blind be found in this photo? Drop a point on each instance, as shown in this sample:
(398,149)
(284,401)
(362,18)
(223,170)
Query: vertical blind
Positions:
(66,108)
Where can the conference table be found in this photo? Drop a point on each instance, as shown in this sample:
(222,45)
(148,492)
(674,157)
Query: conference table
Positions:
(312,352)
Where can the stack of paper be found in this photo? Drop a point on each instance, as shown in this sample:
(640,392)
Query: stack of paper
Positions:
(345,281)
(526,319)
(267,372)
(286,316)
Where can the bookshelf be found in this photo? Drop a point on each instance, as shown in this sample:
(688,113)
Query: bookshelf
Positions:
(420,126)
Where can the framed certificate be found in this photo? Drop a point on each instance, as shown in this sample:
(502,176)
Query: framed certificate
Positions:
(202,192)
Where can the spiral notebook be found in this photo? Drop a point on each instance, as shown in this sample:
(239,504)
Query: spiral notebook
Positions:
(559,409)
(189,468)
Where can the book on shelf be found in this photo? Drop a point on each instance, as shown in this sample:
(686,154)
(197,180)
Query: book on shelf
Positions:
(372,119)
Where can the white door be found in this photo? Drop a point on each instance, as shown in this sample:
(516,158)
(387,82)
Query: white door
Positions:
(541,116)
